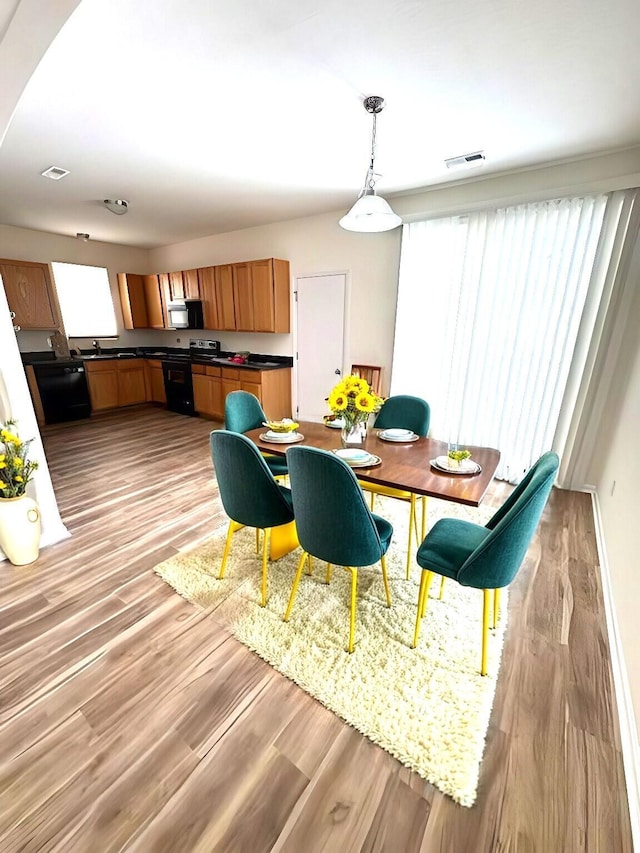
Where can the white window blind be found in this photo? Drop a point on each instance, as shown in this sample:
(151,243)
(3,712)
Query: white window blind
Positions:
(85,300)
(489,306)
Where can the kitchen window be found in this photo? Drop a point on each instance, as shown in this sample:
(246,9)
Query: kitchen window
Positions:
(85,300)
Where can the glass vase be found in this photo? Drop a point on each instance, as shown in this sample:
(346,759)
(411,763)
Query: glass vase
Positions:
(353,435)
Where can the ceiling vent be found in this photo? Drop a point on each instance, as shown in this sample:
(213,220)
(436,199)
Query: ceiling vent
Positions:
(55,173)
(465,161)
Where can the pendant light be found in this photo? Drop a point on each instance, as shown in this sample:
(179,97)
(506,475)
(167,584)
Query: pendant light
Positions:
(371,213)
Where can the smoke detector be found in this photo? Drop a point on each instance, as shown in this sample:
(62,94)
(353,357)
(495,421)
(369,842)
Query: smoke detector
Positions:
(465,161)
(116,205)
(55,173)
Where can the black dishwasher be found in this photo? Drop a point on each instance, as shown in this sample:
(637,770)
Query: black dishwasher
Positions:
(63,391)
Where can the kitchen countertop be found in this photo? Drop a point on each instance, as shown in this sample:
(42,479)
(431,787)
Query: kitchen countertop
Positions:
(263,362)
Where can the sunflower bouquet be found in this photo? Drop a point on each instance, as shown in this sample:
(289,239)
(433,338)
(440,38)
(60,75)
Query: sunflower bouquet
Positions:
(353,401)
(15,469)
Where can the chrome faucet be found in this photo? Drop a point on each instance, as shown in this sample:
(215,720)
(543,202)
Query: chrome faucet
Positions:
(97,347)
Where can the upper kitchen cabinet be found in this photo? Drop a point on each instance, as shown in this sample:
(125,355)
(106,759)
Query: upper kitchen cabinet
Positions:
(207,281)
(133,301)
(191,284)
(261,296)
(176,285)
(29,293)
(225,298)
(142,301)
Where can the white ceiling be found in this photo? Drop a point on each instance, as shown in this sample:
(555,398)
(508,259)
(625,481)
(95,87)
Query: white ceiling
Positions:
(210,116)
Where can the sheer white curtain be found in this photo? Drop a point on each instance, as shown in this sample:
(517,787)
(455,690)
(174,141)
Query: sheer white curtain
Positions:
(489,307)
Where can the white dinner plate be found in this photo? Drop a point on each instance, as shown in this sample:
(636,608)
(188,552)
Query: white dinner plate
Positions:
(334,424)
(358,458)
(397,435)
(467,466)
(281,438)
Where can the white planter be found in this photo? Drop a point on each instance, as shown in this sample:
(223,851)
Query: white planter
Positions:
(20,529)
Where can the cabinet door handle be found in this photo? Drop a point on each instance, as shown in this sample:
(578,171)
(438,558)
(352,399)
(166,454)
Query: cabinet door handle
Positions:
(12,314)
(17,328)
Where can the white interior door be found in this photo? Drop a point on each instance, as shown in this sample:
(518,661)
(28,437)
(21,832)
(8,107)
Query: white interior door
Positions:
(320,332)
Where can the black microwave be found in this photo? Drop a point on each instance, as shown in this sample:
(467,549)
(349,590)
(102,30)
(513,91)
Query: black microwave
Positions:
(185,314)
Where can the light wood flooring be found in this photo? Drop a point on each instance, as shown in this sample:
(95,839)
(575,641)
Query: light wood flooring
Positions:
(129,720)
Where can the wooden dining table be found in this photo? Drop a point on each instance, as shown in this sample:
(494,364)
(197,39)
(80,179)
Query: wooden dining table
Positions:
(403,465)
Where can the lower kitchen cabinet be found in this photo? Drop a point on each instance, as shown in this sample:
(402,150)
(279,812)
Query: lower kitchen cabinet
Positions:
(212,384)
(116,382)
(155,383)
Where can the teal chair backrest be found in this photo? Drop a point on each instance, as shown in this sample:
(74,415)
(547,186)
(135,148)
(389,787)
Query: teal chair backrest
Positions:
(404,412)
(495,562)
(332,518)
(242,412)
(248,491)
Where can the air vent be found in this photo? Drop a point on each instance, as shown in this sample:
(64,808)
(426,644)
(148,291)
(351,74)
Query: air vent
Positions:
(476,158)
(55,173)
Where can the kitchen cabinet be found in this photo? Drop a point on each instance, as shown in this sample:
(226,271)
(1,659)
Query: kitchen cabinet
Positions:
(224,297)
(156,306)
(30,294)
(261,292)
(165,295)
(102,378)
(212,384)
(191,284)
(243,297)
(133,301)
(207,391)
(116,382)
(176,285)
(142,302)
(155,383)
(207,281)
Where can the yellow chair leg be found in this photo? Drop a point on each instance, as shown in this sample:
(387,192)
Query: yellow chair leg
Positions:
(294,588)
(424,517)
(352,617)
(309,564)
(385,580)
(373,500)
(412,518)
(496,607)
(425,582)
(265,555)
(486,595)
(442,580)
(227,547)
(328,575)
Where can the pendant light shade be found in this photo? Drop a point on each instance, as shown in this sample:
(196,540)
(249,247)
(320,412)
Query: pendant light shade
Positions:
(371,213)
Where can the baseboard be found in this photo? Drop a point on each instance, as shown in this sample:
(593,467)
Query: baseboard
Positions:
(628,728)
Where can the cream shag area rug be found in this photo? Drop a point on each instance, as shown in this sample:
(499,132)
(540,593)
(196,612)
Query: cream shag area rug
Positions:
(429,707)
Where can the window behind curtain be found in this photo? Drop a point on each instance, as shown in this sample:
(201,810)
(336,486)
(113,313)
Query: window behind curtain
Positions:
(85,301)
(489,306)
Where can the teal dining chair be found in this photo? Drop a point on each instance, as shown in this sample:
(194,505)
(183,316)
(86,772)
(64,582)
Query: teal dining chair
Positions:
(403,412)
(250,495)
(489,557)
(333,521)
(243,412)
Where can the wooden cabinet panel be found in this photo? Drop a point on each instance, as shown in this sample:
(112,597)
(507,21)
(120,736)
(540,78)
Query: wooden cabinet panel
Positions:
(217,398)
(29,293)
(133,301)
(156,307)
(243,297)
(254,388)
(176,285)
(156,382)
(263,296)
(131,385)
(191,284)
(207,279)
(202,394)
(102,379)
(225,297)
(165,295)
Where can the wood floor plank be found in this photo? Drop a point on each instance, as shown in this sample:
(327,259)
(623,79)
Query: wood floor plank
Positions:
(131,720)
